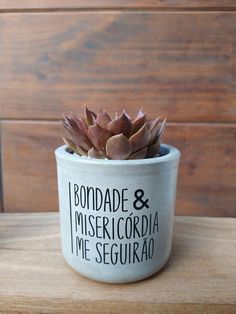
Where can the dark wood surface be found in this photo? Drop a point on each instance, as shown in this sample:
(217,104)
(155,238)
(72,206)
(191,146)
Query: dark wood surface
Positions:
(199,277)
(207,178)
(180,65)
(117,4)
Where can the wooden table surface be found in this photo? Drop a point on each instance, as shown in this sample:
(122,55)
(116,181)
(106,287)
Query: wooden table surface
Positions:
(200,276)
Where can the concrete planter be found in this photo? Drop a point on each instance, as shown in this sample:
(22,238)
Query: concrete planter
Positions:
(117,216)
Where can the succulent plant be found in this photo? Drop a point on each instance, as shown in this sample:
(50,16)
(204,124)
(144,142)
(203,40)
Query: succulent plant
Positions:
(100,136)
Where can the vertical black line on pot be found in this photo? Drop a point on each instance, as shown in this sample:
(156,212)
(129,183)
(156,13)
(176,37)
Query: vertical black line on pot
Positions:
(71,231)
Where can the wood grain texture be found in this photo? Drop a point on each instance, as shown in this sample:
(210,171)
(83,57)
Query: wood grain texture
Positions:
(29,169)
(180,65)
(200,276)
(1,185)
(113,4)
(26,305)
(207,178)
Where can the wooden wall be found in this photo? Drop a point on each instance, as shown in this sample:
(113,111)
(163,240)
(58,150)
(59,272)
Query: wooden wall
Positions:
(174,58)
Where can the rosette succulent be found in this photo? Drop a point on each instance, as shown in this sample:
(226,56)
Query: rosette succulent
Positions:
(101,136)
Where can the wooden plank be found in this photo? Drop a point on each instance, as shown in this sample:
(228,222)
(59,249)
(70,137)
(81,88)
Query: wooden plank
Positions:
(180,65)
(197,279)
(114,4)
(1,192)
(207,178)
(61,306)
(29,170)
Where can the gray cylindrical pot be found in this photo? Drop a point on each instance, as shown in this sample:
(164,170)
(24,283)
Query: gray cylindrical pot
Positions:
(117,216)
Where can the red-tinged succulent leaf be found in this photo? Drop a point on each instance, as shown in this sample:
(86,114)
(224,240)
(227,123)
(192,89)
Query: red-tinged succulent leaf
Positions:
(81,124)
(93,153)
(70,125)
(153,127)
(80,151)
(140,114)
(75,122)
(153,150)
(75,148)
(65,124)
(67,127)
(162,128)
(139,154)
(118,147)
(140,139)
(122,124)
(152,124)
(70,122)
(134,139)
(69,144)
(103,118)
(156,130)
(98,136)
(80,139)
(90,116)
(127,114)
(77,130)
(139,121)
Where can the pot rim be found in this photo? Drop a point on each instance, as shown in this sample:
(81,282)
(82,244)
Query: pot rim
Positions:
(171,153)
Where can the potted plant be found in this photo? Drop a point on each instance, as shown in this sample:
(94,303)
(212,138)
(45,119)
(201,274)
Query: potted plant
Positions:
(117,187)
